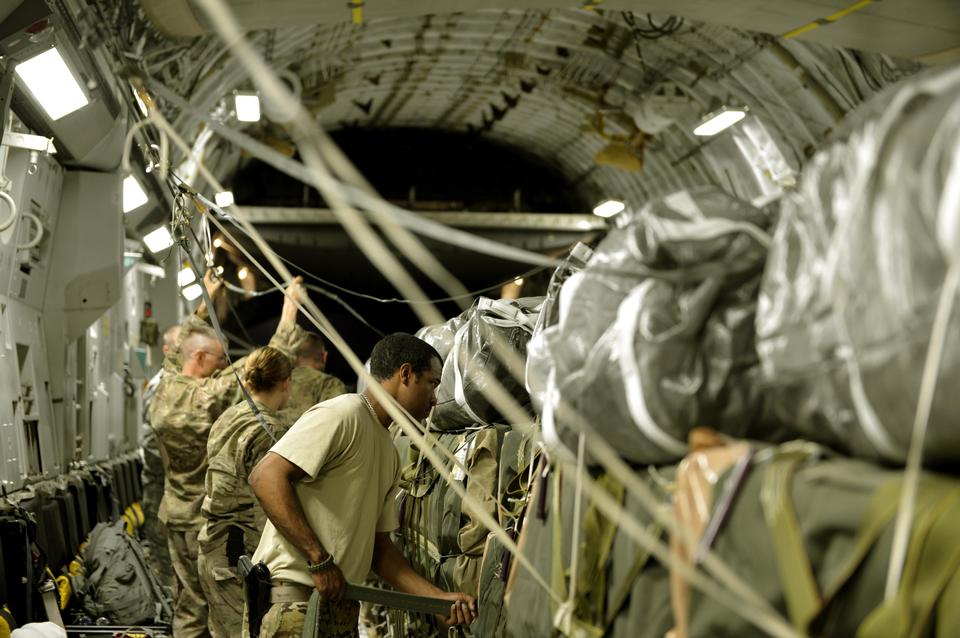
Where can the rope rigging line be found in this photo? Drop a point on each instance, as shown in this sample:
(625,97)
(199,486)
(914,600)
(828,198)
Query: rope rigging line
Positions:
(427,437)
(743,608)
(356,227)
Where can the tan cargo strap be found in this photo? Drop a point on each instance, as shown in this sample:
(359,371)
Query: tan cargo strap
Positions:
(796,575)
(291,593)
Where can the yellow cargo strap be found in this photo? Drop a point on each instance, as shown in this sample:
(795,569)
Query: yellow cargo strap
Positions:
(356,11)
(932,566)
(133,518)
(65,590)
(793,566)
(833,17)
(595,549)
(7,622)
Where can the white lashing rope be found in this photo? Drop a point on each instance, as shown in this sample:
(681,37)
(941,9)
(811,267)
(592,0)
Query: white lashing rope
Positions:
(498,395)
(748,607)
(758,616)
(928,386)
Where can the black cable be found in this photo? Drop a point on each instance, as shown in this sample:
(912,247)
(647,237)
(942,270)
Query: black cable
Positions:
(361,295)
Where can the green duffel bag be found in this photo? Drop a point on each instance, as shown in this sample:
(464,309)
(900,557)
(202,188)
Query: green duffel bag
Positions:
(813,534)
(438,536)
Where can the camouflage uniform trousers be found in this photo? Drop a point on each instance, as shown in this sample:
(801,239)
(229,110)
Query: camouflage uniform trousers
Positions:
(223,589)
(154,531)
(190,607)
(286,620)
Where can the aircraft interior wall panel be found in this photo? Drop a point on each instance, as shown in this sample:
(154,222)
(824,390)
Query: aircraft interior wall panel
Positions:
(36,184)
(28,438)
(112,394)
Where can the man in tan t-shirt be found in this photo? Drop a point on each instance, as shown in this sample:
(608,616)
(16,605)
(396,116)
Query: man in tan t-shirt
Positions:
(328,489)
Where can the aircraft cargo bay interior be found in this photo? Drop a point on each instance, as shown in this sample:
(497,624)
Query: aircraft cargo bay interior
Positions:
(405,318)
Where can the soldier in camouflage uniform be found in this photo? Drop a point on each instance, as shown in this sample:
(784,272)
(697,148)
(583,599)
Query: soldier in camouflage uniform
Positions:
(187,403)
(154,532)
(233,516)
(311,385)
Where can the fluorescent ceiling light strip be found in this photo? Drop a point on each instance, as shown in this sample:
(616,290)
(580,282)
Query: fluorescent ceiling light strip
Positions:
(224,199)
(159,239)
(185,276)
(247,107)
(609,208)
(52,84)
(133,194)
(719,121)
(192,292)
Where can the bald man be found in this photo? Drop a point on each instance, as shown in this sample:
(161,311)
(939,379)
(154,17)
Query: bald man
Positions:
(154,531)
(196,389)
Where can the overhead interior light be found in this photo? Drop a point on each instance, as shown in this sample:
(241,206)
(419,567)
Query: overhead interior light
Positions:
(720,120)
(159,239)
(192,292)
(247,106)
(224,199)
(609,208)
(52,84)
(133,194)
(185,276)
(243,273)
(217,243)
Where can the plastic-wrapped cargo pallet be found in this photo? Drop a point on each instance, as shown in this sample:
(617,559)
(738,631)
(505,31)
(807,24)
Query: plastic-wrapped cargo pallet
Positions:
(859,258)
(656,334)
(472,361)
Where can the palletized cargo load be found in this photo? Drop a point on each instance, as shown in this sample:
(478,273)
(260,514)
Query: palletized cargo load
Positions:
(854,278)
(655,336)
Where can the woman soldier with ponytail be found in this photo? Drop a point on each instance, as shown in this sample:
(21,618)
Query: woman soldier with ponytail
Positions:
(233,517)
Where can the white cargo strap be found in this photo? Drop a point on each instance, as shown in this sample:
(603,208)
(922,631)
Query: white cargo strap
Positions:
(628,317)
(458,390)
(706,229)
(581,252)
(50,603)
(549,432)
(509,314)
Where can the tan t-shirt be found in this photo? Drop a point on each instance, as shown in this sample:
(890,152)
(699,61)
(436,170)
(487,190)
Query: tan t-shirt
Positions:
(348,494)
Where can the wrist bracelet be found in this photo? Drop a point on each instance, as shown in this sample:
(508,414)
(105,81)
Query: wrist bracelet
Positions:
(316,568)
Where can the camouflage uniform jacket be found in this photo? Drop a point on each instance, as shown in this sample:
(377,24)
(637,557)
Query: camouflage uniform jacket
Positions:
(309,387)
(181,414)
(237,443)
(152,474)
